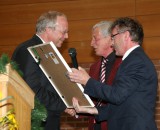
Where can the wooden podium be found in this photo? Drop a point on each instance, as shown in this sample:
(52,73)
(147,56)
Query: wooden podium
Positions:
(11,84)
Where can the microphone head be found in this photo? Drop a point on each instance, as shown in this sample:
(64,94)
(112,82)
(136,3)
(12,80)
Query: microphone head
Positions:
(72,51)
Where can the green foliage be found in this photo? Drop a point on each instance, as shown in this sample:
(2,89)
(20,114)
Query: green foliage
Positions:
(4,60)
(15,67)
(38,114)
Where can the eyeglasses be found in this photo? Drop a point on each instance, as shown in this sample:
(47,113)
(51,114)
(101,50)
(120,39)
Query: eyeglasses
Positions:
(63,32)
(113,35)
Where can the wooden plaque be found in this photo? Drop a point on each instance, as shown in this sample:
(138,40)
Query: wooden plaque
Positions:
(55,67)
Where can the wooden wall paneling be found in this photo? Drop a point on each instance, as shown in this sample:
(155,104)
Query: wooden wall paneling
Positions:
(13,2)
(152,47)
(75,10)
(85,53)
(94,9)
(79,36)
(16,33)
(16,14)
(158,103)
(13,34)
(150,24)
(18,20)
(158,124)
(157,117)
(7,50)
(81,30)
(147,7)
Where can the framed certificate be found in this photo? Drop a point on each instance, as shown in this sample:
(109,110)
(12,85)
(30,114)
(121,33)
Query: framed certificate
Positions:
(55,68)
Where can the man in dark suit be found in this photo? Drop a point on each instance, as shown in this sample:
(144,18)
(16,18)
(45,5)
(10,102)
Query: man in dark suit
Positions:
(51,26)
(133,93)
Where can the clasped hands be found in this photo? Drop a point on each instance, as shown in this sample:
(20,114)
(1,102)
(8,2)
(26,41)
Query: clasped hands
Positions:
(76,108)
(79,109)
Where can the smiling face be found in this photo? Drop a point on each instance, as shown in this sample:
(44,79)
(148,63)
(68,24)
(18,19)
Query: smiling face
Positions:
(52,26)
(58,34)
(101,44)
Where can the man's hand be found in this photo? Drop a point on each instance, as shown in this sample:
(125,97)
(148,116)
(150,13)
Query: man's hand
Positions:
(78,75)
(70,111)
(80,109)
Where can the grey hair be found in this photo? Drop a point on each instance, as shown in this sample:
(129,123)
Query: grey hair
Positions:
(104,27)
(48,19)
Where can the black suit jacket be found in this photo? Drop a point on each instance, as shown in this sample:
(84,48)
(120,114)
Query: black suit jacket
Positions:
(35,77)
(132,96)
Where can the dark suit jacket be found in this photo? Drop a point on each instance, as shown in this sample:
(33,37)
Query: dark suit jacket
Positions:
(94,72)
(35,77)
(132,96)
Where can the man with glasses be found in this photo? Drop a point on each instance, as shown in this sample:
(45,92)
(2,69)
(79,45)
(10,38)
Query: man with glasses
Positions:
(132,96)
(51,26)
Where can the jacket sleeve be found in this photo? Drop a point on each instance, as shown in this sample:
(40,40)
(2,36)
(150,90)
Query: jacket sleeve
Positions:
(103,113)
(126,82)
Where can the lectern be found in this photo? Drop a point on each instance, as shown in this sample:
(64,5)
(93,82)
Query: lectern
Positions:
(11,84)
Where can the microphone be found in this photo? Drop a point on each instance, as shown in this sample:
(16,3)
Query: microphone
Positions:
(72,53)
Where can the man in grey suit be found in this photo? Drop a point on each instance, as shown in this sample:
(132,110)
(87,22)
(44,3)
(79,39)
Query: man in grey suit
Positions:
(132,96)
(51,26)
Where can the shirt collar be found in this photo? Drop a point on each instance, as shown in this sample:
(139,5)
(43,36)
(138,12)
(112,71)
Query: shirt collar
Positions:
(129,51)
(110,57)
(40,38)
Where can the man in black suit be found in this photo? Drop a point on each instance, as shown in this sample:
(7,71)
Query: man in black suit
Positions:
(51,26)
(133,93)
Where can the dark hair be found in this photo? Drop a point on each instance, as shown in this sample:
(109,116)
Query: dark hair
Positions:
(133,26)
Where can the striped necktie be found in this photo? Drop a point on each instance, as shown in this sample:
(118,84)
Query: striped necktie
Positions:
(102,77)
(103,70)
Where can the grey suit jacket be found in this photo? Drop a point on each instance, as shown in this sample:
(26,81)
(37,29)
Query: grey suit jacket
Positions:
(132,96)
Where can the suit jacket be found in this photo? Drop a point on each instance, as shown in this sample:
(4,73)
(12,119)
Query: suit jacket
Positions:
(132,96)
(94,72)
(35,78)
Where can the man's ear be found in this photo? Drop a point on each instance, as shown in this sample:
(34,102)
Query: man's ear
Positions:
(127,35)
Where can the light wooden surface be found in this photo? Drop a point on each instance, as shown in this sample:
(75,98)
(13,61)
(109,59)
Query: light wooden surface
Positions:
(11,84)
